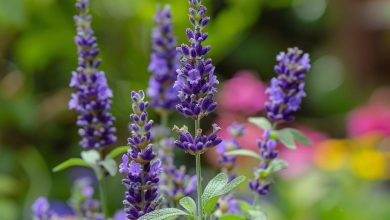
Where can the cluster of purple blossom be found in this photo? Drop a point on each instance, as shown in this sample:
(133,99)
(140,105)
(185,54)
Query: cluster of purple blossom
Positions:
(182,78)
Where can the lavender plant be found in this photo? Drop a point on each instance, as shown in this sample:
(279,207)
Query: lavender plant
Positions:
(182,78)
(164,60)
(196,83)
(92,98)
(141,171)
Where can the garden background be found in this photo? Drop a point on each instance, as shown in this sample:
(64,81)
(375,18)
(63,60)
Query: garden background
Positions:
(344,175)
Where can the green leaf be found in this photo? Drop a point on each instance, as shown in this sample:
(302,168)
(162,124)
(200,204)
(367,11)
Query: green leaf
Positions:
(189,204)
(244,206)
(287,138)
(209,204)
(232,184)
(231,217)
(244,152)
(257,215)
(261,122)
(300,137)
(213,187)
(161,214)
(110,165)
(91,156)
(277,165)
(70,163)
(117,151)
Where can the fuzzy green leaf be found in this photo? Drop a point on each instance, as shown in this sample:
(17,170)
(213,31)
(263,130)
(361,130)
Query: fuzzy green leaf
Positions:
(91,156)
(287,138)
(110,165)
(299,136)
(277,165)
(261,122)
(71,163)
(117,151)
(162,214)
(244,152)
(189,204)
(244,206)
(232,184)
(214,186)
(209,204)
(257,215)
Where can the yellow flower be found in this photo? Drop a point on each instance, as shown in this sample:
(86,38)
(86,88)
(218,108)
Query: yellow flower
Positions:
(369,164)
(332,154)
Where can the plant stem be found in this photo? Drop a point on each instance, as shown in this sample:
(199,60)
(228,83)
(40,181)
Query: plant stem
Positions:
(199,177)
(199,186)
(103,198)
(256,200)
(164,119)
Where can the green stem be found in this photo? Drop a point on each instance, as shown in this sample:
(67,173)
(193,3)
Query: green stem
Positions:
(256,200)
(103,199)
(199,186)
(199,177)
(164,119)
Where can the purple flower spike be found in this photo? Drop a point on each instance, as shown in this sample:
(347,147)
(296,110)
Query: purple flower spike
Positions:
(41,209)
(287,89)
(198,144)
(227,203)
(82,200)
(268,152)
(196,80)
(142,171)
(164,61)
(92,98)
(228,162)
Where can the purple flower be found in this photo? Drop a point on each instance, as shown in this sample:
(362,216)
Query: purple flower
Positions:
(142,171)
(227,203)
(164,61)
(287,89)
(92,98)
(177,184)
(198,144)
(174,182)
(196,80)
(228,162)
(268,152)
(41,209)
(82,199)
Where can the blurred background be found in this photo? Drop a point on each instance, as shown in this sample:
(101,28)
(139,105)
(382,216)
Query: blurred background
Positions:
(345,175)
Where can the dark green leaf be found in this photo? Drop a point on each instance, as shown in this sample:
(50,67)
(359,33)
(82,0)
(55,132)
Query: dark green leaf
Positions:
(117,151)
(70,163)
(261,122)
(161,214)
(243,152)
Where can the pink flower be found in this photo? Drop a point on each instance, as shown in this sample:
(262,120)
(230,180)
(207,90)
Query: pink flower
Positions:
(374,117)
(244,93)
